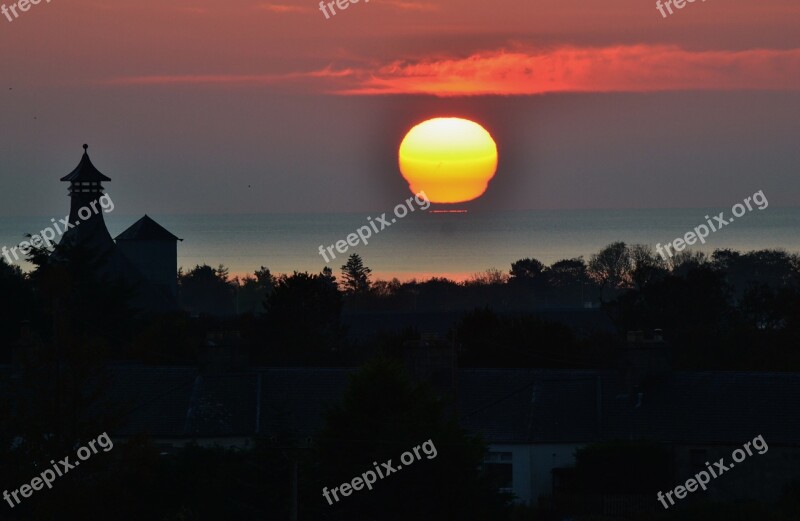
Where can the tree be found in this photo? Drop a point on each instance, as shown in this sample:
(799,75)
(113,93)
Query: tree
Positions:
(566,273)
(489,277)
(386,288)
(355,276)
(303,318)
(568,282)
(205,290)
(527,282)
(687,261)
(526,269)
(60,389)
(489,340)
(253,290)
(694,311)
(611,267)
(384,414)
(773,269)
(646,266)
(15,305)
(329,279)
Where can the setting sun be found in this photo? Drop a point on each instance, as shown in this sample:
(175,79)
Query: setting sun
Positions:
(451,159)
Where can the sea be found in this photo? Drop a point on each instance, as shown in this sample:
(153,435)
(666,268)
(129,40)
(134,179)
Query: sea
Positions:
(426,244)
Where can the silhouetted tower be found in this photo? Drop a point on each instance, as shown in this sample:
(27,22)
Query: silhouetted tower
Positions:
(86,212)
(154,252)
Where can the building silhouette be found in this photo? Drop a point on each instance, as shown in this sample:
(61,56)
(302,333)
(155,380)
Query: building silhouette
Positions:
(154,252)
(144,257)
(85,191)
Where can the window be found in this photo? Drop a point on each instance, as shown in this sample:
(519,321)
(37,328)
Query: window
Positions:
(498,467)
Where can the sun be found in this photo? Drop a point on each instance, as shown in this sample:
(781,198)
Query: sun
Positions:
(452,160)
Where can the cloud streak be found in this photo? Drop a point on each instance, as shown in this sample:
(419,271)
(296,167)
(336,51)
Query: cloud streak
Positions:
(284,9)
(400,5)
(405,5)
(637,68)
(632,68)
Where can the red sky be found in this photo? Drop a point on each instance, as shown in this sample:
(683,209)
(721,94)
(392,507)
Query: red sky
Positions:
(171,93)
(406,45)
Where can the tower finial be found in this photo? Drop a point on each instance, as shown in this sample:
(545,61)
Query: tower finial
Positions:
(85,147)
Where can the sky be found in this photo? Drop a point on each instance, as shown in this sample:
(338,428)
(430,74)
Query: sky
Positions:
(201,107)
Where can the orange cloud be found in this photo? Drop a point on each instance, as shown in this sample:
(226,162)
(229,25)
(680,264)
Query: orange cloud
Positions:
(632,68)
(637,68)
(404,5)
(283,9)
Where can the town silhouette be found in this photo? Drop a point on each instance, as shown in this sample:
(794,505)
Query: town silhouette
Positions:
(575,390)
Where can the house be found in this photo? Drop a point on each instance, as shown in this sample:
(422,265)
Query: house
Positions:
(532,419)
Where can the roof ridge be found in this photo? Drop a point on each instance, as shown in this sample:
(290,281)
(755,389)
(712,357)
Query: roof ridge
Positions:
(147,229)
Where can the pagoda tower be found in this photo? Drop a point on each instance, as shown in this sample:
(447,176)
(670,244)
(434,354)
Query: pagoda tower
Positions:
(86,213)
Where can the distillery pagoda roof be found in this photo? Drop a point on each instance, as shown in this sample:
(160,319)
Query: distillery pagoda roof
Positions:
(146,229)
(85,172)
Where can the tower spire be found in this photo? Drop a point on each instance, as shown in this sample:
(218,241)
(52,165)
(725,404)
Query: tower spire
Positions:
(85,190)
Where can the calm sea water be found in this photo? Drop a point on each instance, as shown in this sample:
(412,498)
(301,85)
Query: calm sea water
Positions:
(424,244)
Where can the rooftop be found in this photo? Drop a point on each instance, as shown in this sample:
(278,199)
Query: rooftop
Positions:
(85,172)
(146,229)
(514,406)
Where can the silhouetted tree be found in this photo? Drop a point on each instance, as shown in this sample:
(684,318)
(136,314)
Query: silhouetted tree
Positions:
(569,282)
(489,340)
(384,414)
(694,310)
(611,267)
(329,279)
(253,290)
(567,272)
(646,265)
(60,388)
(765,308)
(206,291)
(355,276)
(384,288)
(303,318)
(774,269)
(489,277)
(686,261)
(15,306)
(526,269)
(527,283)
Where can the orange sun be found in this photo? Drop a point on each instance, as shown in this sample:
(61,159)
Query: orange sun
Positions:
(452,160)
